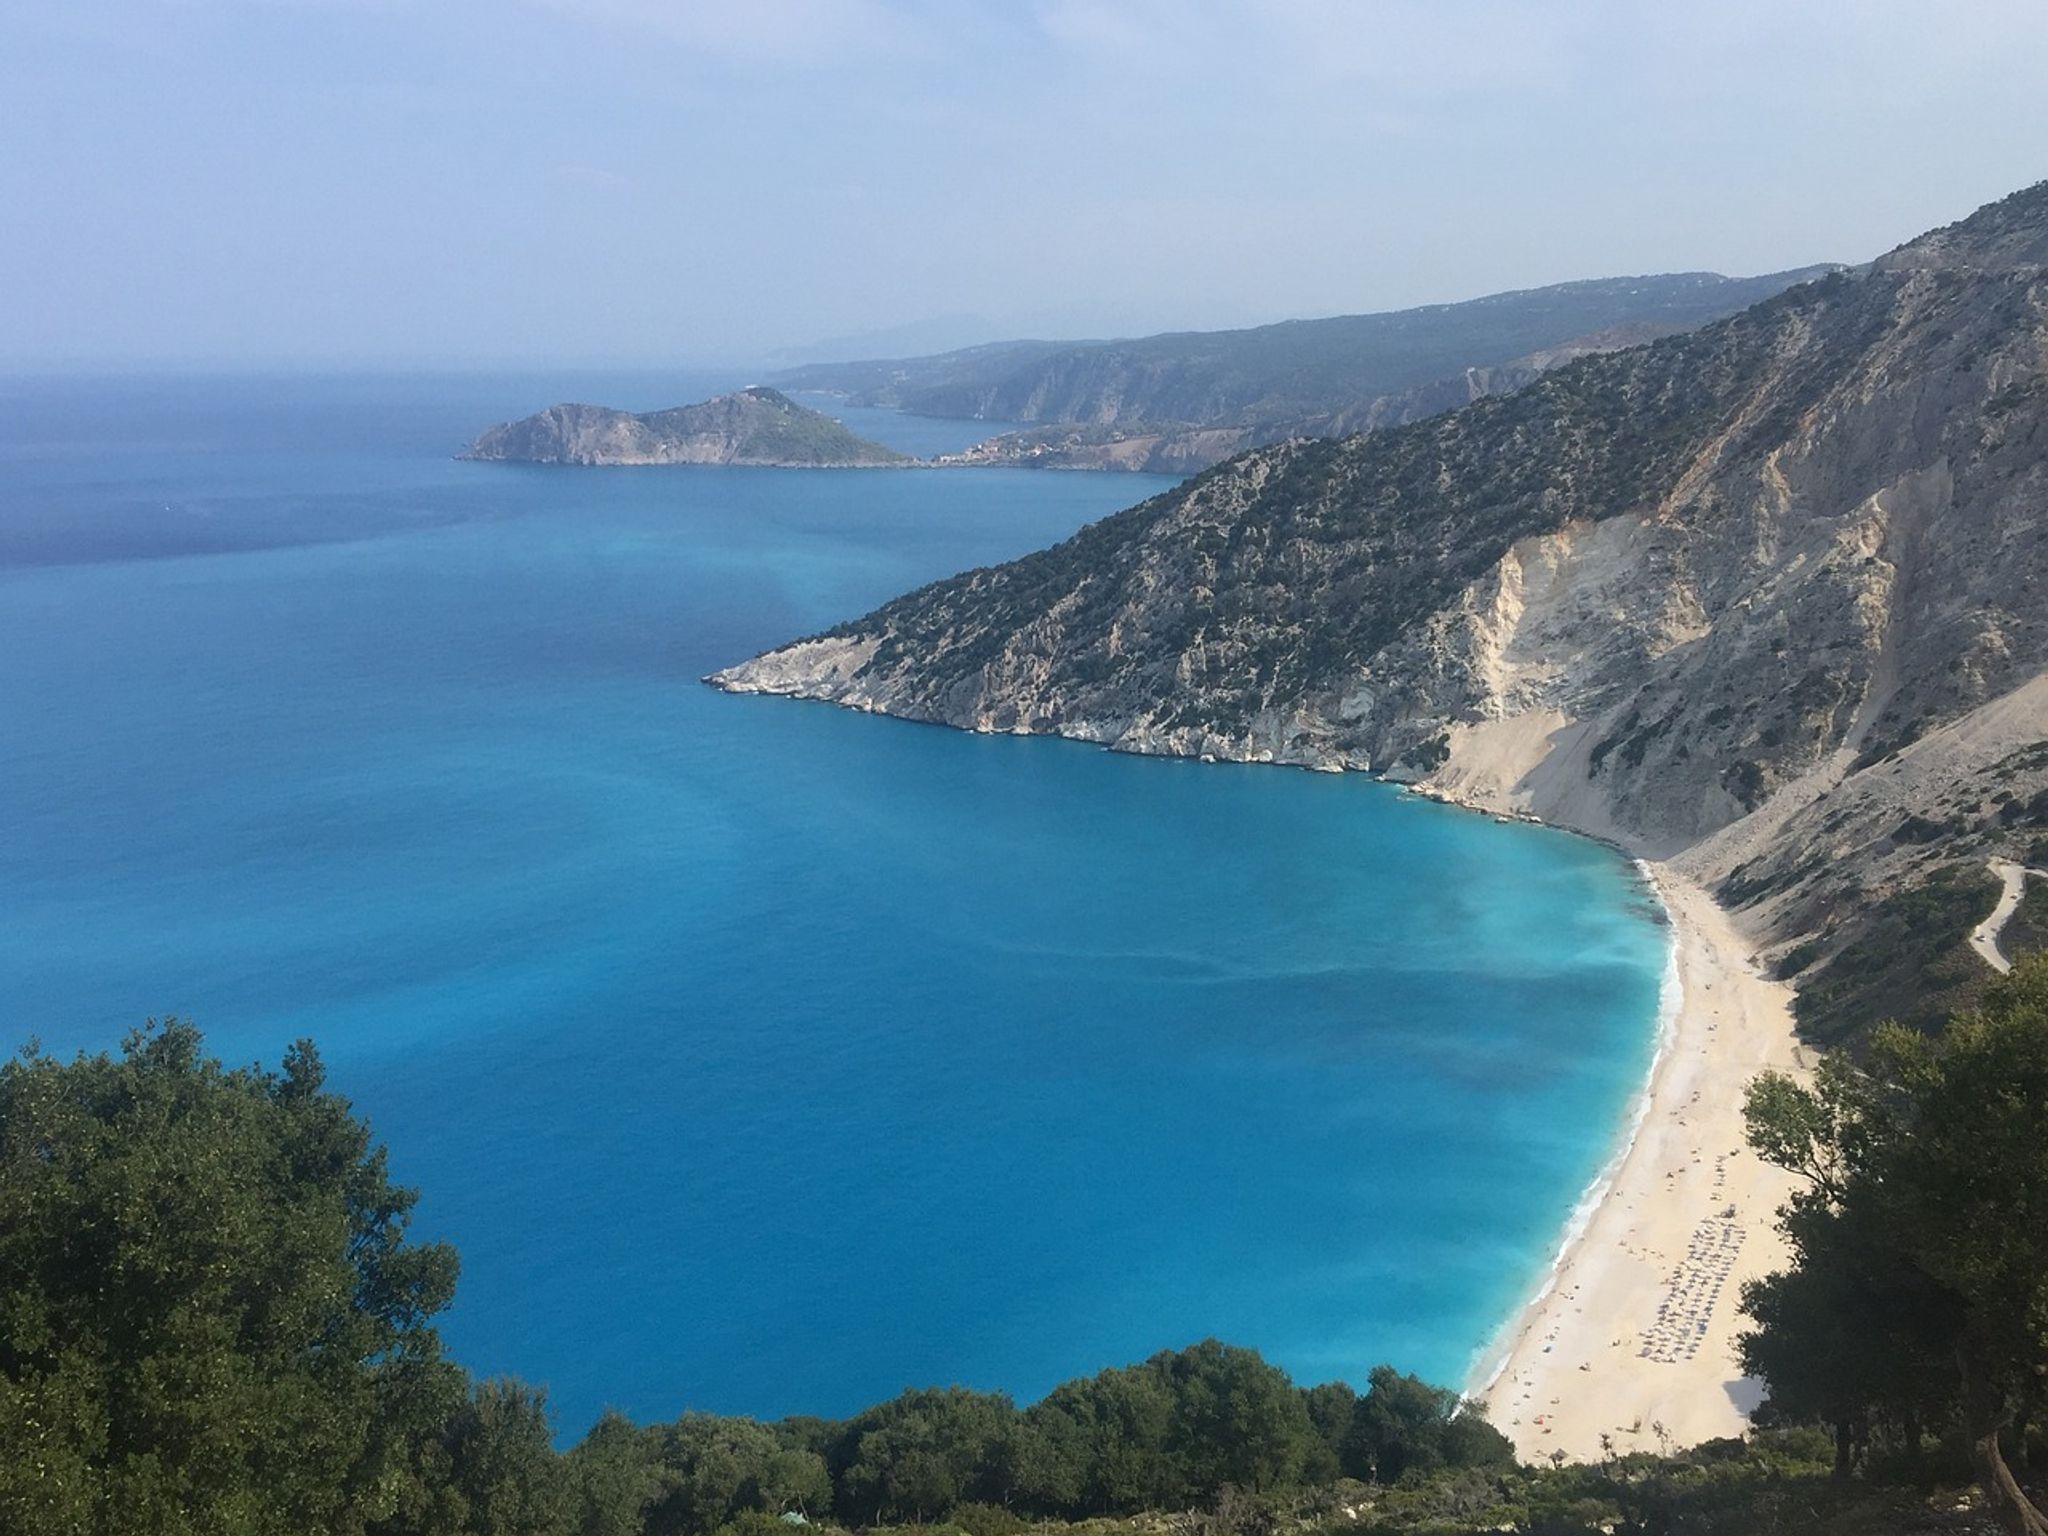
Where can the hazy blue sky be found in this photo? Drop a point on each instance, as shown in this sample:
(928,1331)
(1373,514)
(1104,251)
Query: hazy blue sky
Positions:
(667,180)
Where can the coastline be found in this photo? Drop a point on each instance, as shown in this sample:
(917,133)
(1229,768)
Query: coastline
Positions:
(1630,1330)
(1491,1362)
(1632,1327)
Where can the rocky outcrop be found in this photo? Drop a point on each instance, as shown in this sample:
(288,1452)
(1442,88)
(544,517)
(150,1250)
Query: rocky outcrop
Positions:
(760,427)
(1749,597)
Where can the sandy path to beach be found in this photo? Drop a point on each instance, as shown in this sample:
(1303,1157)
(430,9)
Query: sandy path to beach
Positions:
(1638,1329)
(1985,936)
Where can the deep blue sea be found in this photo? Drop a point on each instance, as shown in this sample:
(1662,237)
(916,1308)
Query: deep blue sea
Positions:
(759,1056)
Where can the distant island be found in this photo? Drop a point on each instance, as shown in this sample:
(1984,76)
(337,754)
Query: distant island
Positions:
(756,427)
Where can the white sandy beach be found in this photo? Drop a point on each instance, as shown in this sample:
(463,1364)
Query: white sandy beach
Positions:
(1637,1329)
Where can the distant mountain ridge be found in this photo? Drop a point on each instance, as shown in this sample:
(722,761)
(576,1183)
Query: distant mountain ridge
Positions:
(1769,599)
(756,426)
(1187,399)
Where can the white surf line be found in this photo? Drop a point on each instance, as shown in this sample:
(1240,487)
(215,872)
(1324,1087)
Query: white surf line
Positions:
(1984,937)
(1490,1362)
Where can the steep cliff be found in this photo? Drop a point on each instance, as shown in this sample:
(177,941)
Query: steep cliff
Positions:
(1754,597)
(757,426)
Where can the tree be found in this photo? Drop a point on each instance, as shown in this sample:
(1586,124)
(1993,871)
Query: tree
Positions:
(210,1317)
(1108,1435)
(796,1482)
(1055,1459)
(1469,1441)
(502,1468)
(1928,1169)
(1853,1332)
(1237,1420)
(614,1476)
(924,1452)
(1331,1409)
(1399,1426)
(1403,1425)
(714,1469)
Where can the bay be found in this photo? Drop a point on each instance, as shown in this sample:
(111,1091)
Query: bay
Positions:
(762,1057)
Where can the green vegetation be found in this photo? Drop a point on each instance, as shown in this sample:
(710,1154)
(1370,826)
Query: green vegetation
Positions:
(1910,960)
(211,1321)
(212,1324)
(2026,931)
(1918,1296)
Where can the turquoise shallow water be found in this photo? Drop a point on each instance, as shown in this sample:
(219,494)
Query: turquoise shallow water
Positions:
(762,1057)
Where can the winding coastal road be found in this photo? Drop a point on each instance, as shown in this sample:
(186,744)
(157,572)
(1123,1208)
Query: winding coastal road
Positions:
(1984,937)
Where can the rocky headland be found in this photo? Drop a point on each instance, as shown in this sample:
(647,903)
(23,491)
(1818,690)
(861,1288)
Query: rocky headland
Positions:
(758,427)
(1764,599)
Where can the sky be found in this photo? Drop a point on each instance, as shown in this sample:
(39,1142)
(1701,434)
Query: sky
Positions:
(309,183)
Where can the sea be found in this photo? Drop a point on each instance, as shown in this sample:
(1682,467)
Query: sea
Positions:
(761,1057)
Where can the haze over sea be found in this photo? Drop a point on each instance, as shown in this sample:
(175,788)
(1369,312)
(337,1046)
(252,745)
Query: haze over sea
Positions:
(762,1057)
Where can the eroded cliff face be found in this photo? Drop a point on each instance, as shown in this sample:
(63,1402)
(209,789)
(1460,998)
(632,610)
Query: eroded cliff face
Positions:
(1740,597)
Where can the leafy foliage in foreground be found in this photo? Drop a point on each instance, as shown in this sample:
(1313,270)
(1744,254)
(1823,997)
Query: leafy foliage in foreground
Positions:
(212,1324)
(211,1321)
(1918,1294)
